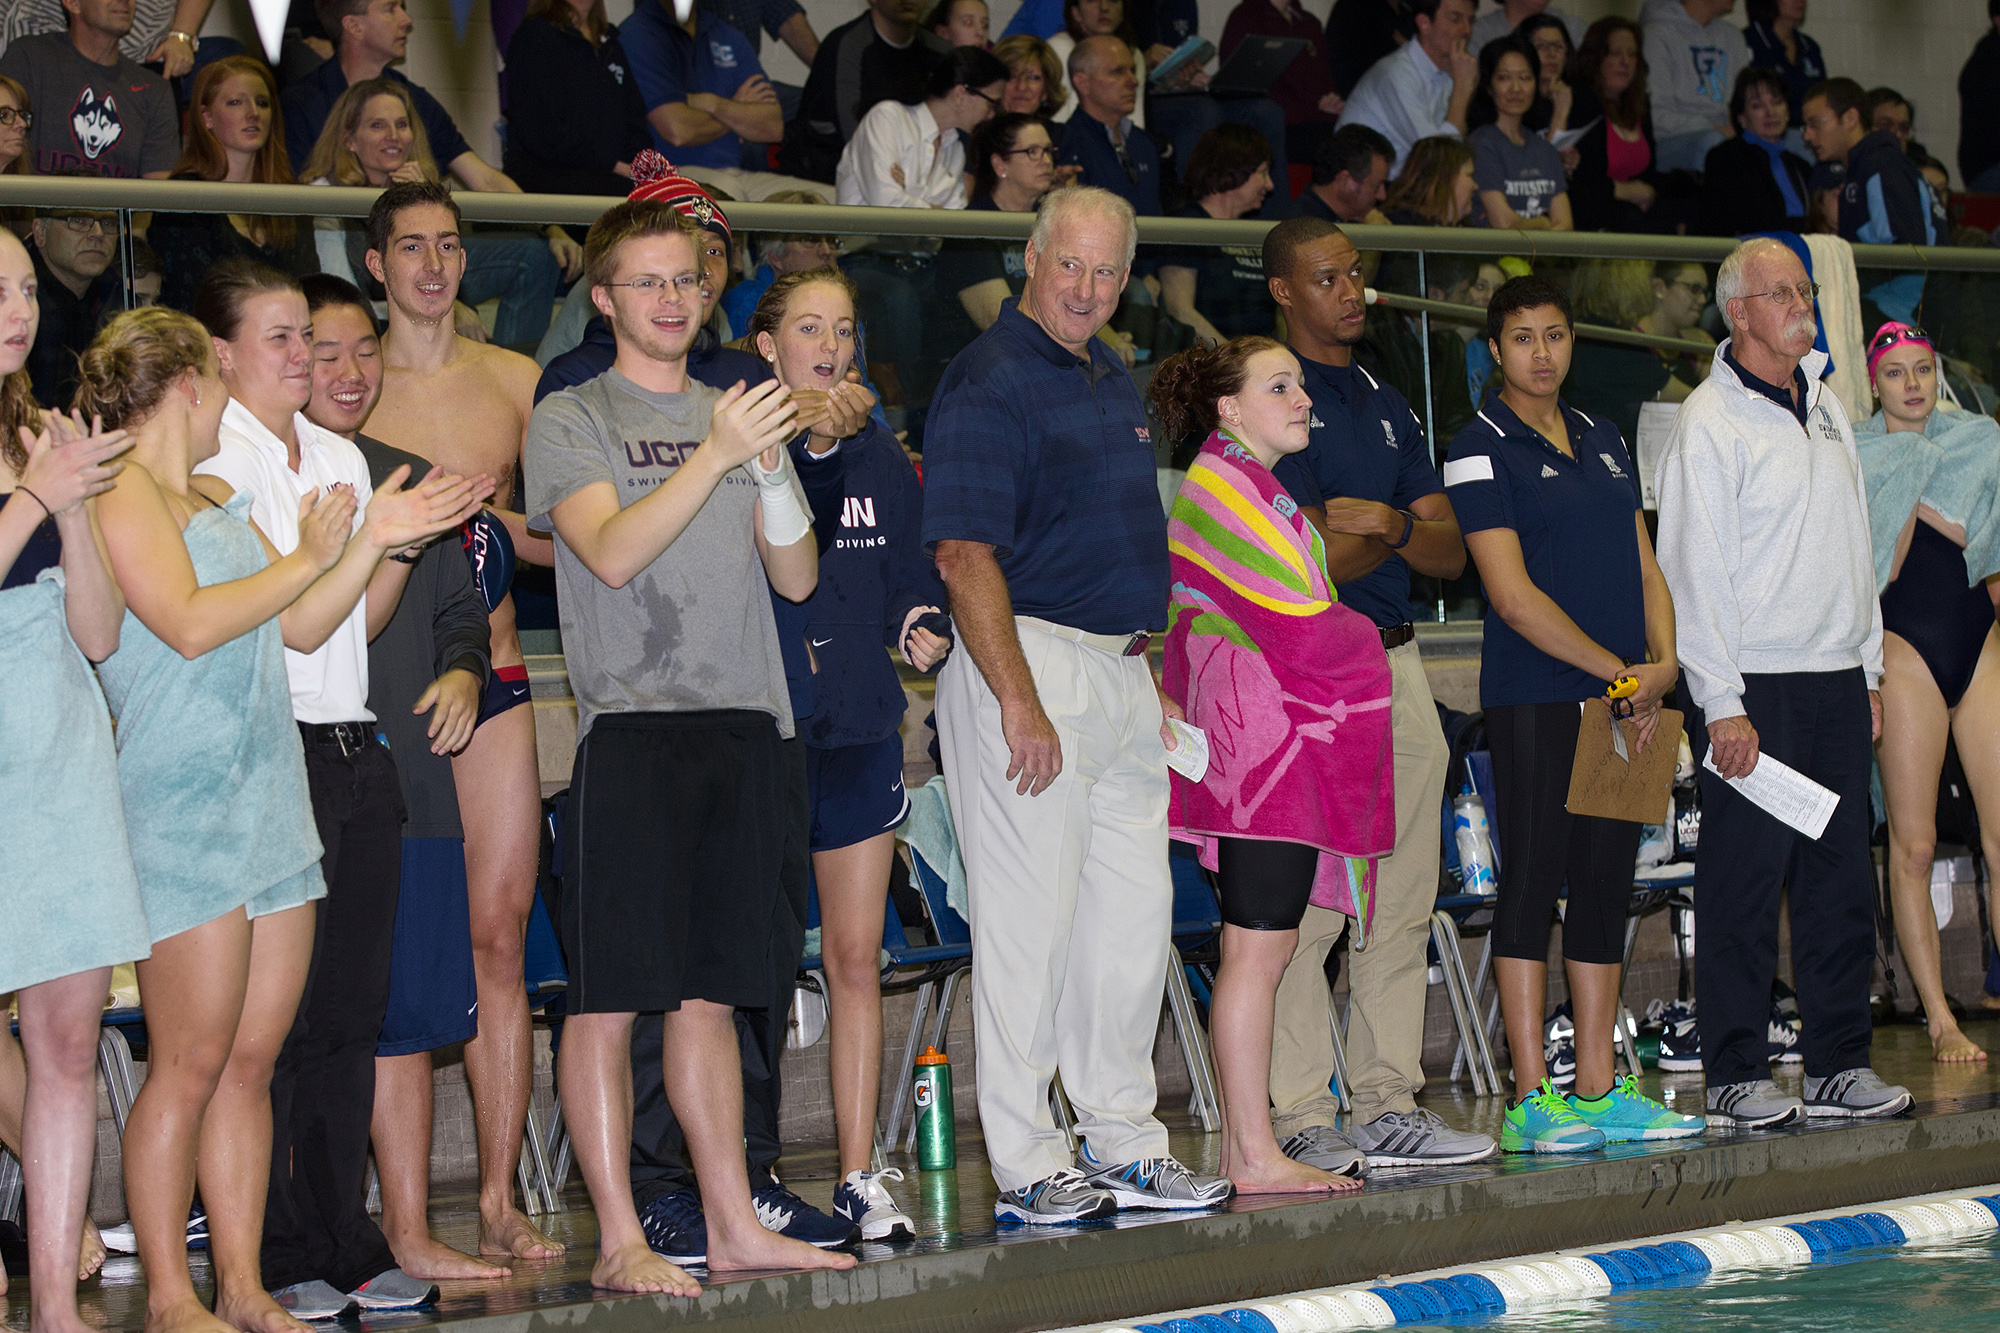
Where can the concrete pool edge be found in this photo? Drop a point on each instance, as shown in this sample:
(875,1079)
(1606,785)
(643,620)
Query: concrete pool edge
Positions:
(1104,1275)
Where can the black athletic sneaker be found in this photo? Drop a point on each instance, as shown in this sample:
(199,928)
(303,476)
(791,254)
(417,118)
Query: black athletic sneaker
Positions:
(675,1228)
(786,1213)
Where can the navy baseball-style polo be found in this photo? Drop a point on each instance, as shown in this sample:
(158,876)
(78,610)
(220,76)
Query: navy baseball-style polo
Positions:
(1574,517)
(1366,445)
(1046,457)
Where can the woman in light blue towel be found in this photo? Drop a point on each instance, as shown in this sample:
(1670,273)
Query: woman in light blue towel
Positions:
(220,823)
(68,897)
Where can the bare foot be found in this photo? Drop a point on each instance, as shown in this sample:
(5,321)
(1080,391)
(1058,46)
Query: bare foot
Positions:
(254,1312)
(768,1250)
(516,1238)
(90,1254)
(432,1260)
(1990,1003)
(639,1269)
(1285,1176)
(188,1315)
(70,1321)
(1952,1046)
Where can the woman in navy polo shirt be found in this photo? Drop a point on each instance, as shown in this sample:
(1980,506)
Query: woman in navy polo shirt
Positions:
(1548,499)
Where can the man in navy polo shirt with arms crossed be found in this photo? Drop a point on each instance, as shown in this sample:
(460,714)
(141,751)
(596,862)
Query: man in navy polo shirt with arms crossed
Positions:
(1041,505)
(1366,479)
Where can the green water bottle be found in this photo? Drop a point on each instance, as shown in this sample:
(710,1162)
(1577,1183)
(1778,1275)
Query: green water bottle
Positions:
(937,1135)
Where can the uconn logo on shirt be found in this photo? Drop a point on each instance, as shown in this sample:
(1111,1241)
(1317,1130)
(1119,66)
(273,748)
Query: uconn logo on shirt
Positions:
(655,460)
(858,511)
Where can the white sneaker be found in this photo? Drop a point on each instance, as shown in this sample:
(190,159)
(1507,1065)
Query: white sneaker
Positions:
(863,1200)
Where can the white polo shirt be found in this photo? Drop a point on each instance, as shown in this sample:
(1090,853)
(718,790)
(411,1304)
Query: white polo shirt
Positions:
(329,684)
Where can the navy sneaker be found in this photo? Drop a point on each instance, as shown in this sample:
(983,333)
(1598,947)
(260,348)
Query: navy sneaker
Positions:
(786,1213)
(675,1228)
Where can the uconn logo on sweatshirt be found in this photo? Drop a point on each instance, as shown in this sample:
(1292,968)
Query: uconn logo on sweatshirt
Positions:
(650,462)
(857,517)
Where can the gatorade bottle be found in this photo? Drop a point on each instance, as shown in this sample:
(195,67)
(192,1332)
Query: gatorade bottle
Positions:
(1475,843)
(937,1135)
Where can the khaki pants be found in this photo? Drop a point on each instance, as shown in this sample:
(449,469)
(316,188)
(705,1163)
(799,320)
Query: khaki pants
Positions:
(1385,1022)
(1072,905)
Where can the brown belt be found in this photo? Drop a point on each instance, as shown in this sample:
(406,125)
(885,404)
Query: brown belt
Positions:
(1397,637)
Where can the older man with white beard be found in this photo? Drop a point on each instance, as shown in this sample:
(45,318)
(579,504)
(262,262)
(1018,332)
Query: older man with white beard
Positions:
(1764,542)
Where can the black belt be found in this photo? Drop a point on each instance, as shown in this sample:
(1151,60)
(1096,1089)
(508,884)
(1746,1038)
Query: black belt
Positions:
(351,737)
(1397,637)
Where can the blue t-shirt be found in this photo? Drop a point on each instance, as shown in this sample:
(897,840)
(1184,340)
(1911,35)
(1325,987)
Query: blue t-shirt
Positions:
(1046,457)
(1366,445)
(1134,176)
(669,64)
(1574,518)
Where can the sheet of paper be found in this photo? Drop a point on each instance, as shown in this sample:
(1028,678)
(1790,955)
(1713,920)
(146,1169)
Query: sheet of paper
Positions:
(1569,137)
(1189,757)
(1784,793)
(1656,424)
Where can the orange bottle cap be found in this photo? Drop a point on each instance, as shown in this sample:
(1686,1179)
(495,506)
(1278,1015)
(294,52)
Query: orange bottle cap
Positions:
(932,1056)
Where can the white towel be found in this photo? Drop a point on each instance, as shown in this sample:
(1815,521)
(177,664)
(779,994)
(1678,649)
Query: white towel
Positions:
(1840,316)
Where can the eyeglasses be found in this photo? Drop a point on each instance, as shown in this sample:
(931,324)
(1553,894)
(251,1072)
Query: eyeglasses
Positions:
(684,284)
(993,102)
(8,115)
(1784,296)
(1037,152)
(81,223)
(1694,289)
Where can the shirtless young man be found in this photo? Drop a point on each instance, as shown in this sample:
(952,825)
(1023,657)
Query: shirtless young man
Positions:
(466,404)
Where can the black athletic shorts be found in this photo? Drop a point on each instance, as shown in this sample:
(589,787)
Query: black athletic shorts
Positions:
(676,835)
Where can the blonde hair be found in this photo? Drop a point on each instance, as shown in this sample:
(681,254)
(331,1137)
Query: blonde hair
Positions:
(332,160)
(1018,50)
(135,359)
(1618,292)
(24,165)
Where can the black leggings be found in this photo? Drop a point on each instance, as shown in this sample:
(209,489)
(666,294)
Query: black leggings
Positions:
(1542,844)
(1264,884)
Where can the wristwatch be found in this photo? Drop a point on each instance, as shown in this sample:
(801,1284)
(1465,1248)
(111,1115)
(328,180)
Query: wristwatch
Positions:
(194,42)
(1409,528)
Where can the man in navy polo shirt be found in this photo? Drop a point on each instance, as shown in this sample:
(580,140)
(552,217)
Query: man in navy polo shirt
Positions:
(1366,479)
(1115,154)
(1041,505)
(705,92)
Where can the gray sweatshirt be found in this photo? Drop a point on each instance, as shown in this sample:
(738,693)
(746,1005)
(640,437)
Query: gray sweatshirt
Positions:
(1764,539)
(1690,67)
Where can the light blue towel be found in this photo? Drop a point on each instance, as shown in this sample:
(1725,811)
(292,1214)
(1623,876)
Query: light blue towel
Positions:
(68,899)
(929,831)
(1954,467)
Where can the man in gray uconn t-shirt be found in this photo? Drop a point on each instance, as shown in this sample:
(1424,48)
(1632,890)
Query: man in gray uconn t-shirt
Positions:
(671,507)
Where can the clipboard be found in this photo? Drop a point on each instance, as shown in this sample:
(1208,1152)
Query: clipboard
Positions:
(1602,784)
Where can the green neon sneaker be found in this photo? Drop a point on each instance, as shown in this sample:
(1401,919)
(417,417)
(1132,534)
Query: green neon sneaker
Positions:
(1626,1115)
(1543,1122)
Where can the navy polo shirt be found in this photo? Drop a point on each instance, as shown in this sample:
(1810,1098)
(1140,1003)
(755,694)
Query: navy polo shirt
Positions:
(1797,403)
(1135,178)
(1046,457)
(1366,445)
(1574,519)
(668,64)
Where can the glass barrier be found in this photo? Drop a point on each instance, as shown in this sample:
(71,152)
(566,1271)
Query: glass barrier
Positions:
(930,281)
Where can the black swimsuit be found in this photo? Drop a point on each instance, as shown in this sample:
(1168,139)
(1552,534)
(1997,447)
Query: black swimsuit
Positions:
(43,551)
(1931,606)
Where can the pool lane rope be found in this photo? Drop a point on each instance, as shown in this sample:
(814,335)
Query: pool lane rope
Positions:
(1569,1277)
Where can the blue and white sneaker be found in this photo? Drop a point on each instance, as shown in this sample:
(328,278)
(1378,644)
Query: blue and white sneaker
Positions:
(675,1228)
(864,1200)
(786,1213)
(121,1240)
(1680,1039)
(1153,1182)
(1062,1199)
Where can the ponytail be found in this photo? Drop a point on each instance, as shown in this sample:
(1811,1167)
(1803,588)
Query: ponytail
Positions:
(1185,389)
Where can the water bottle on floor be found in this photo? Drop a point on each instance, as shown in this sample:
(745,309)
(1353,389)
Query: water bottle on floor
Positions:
(937,1134)
(1475,843)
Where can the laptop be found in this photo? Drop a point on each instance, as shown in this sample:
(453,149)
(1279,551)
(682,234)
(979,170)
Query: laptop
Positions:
(1255,65)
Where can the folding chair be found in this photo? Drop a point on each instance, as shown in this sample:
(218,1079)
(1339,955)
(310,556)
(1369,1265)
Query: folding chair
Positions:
(944,965)
(545,1153)
(1197,923)
(1449,916)
(121,1084)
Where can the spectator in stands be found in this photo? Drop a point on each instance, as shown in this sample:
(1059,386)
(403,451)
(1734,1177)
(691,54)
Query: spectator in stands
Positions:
(1013,166)
(1437,187)
(1884,198)
(1979,109)
(706,97)
(1520,174)
(1614,185)
(1350,178)
(1611,380)
(1886,109)
(860,63)
(1112,152)
(1778,42)
(1780,633)
(120,118)
(75,252)
(1304,92)
(960,22)
(1229,177)
(1507,18)
(1084,19)
(1752,182)
(1555,55)
(1693,54)
(17,117)
(375,137)
(1680,298)
(1469,282)
(233,135)
(1036,84)
(575,118)
(777,256)
(1425,88)
(146,275)
(163,32)
(908,151)
(782,19)
(1361,32)
(1552,641)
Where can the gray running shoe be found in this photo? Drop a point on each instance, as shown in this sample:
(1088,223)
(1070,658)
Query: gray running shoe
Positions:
(1153,1182)
(1855,1094)
(1328,1149)
(1419,1138)
(1753,1104)
(1057,1200)
(394,1290)
(312,1301)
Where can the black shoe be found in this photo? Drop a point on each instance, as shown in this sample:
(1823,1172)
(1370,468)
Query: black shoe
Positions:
(675,1228)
